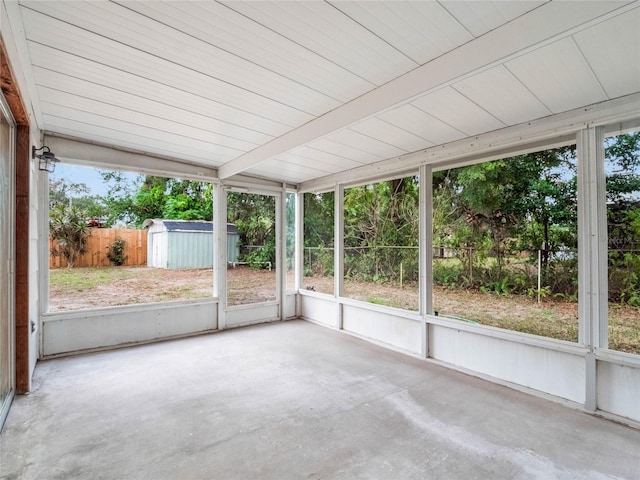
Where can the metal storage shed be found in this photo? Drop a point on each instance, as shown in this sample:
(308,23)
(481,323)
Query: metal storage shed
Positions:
(176,244)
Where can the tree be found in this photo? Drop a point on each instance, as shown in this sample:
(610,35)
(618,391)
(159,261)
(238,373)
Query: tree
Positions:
(60,192)
(65,192)
(548,203)
(118,201)
(69,227)
(188,200)
(502,208)
(133,202)
(254,215)
(318,233)
(379,218)
(622,167)
(318,219)
(622,154)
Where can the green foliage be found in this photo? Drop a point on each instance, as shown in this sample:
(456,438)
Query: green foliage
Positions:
(448,274)
(264,256)
(132,203)
(624,278)
(318,219)
(624,151)
(487,277)
(318,261)
(493,217)
(118,202)
(318,233)
(68,226)
(379,301)
(496,215)
(623,217)
(542,293)
(381,231)
(254,215)
(117,251)
(290,229)
(86,278)
(65,192)
(501,286)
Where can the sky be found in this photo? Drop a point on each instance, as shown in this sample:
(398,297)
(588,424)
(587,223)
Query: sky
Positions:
(89,176)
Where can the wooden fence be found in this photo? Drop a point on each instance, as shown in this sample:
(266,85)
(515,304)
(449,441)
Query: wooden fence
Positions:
(97,248)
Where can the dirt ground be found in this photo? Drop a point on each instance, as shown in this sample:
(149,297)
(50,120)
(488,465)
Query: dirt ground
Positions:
(82,288)
(556,319)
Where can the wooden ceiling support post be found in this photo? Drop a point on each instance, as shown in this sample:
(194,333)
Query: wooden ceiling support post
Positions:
(23,324)
(22,182)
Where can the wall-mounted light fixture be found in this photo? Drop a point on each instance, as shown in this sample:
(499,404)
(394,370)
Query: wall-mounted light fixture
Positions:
(46,158)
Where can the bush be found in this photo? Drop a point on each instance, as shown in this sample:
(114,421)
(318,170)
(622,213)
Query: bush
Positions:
(448,273)
(68,226)
(624,278)
(264,256)
(116,253)
(318,261)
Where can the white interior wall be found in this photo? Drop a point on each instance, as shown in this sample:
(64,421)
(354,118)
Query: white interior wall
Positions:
(36,189)
(618,384)
(82,330)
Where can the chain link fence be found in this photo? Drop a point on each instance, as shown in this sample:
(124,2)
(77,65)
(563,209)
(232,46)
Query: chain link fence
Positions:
(540,272)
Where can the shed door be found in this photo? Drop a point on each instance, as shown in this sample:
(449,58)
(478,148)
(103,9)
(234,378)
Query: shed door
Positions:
(159,242)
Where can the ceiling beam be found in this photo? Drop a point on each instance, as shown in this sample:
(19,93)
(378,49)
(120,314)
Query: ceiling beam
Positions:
(550,21)
(89,154)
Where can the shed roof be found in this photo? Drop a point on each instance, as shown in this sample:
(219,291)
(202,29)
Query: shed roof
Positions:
(189,225)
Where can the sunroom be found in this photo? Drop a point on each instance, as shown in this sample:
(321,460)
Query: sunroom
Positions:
(318,107)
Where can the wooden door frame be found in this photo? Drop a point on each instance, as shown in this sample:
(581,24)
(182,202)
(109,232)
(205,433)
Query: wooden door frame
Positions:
(22,329)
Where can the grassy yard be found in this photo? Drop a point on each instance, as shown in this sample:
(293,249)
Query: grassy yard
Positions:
(81,288)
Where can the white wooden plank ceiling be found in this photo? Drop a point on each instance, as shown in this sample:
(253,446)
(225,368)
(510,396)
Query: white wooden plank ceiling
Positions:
(295,91)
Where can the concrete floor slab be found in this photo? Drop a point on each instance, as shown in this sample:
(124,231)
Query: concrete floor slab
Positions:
(293,400)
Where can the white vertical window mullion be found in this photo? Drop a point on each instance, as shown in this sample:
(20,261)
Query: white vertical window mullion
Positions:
(299,250)
(426,240)
(592,239)
(220,251)
(299,242)
(425,249)
(592,253)
(338,250)
(281,269)
(601,321)
(584,243)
